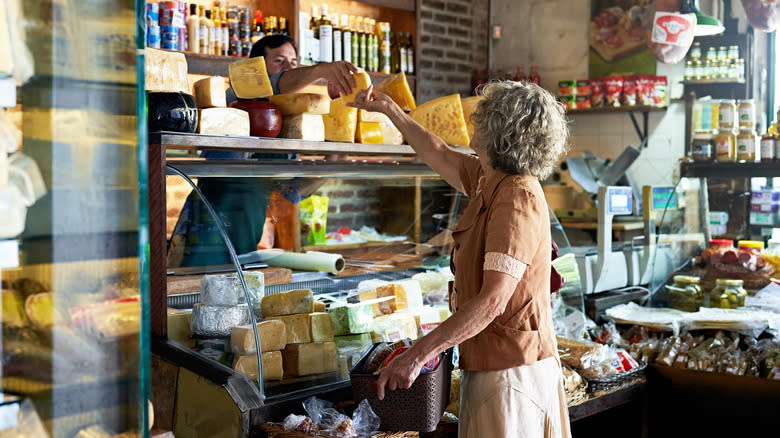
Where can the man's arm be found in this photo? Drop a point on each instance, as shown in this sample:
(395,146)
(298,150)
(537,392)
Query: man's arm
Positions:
(338,74)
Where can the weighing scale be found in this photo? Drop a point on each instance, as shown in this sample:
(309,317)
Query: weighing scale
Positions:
(649,262)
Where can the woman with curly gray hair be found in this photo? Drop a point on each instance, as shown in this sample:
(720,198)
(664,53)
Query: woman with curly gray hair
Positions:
(502,323)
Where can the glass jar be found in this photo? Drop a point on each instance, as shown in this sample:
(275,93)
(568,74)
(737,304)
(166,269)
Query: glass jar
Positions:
(690,71)
(686,293)
(746,113)
(772,254)
(725,146)
(767,148)
(696,51)
(733,53)
(753,247)
(699,70)
(723,53)
(746,146)
(728,293)
(720,245)
(727,114)
(712,54)
(702,148)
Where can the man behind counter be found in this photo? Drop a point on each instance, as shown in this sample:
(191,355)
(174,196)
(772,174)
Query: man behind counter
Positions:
(241,203)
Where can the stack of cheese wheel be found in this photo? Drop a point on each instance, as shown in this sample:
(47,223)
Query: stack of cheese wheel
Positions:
(302,115)
(215,117)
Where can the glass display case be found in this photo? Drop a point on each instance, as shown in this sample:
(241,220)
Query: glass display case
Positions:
(73,252)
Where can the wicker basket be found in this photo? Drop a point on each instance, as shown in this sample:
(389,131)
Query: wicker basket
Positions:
(418,408)
(613,382)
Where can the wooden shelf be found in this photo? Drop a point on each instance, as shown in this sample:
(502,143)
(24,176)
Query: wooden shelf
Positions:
(729,170)
(617,109)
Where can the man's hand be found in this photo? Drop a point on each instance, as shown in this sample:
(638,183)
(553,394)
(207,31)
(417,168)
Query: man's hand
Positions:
(371,100)
(339,75)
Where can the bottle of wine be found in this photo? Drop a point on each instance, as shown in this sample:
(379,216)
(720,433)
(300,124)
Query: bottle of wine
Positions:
(326,35)
(334,18)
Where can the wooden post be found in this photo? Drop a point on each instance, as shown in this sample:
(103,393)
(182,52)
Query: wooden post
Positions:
(158,288)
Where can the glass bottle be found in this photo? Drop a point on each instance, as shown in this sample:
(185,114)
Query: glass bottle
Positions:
(209,34)
(374,46)
(403,57)
(337,40)
(534,76)
(216,35)
(696,51)
(767,151)
(314,26)
(203,32)
(410,68)
(746,145)
(257,29)
(362,47)
(355,52)
(283,26)
(689,70)
(193,28)
(326,35)
(395,53)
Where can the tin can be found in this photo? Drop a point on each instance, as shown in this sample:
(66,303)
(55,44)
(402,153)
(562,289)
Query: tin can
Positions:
(152,14)
(170,44)
(244,15)
(172,16)
(234,47)
(244,31)
(183,40)
(153,36)
(233,31)
(246,48)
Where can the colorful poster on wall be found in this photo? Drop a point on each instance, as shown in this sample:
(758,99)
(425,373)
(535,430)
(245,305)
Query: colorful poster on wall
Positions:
(618,35)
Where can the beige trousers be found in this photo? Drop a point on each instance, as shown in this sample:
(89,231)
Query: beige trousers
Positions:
(526,401)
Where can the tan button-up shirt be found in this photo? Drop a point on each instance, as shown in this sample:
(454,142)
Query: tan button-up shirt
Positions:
(505,225)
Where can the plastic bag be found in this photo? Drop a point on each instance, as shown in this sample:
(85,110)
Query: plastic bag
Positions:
(331,422)
(314,218)
(762,14)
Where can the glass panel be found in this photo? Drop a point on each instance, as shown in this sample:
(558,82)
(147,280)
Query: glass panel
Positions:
(72,296)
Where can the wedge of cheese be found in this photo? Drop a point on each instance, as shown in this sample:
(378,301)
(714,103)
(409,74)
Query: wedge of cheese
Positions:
(272,333)
(165,71)
(179,321)
(362,82)
(394,327)
(397,88)
(303,127)
(273,368)
(397,292)
(369,133)
(377,308)
(443,117)
(390,134)
(340,122)
(210,92)
(299,103)
(319,306)
(308,359)
(352,319)
(223,121)
(287,303)
(469,105)
(249,78)
(297,327)
(321,327)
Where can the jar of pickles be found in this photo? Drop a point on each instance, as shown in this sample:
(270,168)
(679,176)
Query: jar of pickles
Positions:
(728,294)
(686,293)
(726,146)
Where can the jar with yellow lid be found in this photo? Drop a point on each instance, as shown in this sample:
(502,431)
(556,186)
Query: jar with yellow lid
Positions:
(686,293)
(754,247)
(726,146)
(728,294)
(746,111)
(727,114)
(746,146)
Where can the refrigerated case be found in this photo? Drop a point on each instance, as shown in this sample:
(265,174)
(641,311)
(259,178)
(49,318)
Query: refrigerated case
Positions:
(74,338)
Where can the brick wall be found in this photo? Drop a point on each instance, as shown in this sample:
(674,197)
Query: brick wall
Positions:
(453,43)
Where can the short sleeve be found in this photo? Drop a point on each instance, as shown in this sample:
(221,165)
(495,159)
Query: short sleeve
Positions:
(514,227)
(469,173)
(274,78)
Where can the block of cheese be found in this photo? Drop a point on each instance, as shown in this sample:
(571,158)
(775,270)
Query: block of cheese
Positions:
(396,291)
(218,290)
(414,295)
(352,319)
(369,133)
(359,341)
(362,82)
(303,127)
(223,121)
(370,295)
(249,79)
(390,134)
(427,318)
(165,71)
(319,306)
(298,327)
(340,122)
(299,103)
(444,312)
(13,308)
(287,303)
(397,88)
(443,117)
(394,327)
(308,359)
(217,321)
(321,327)
(469,105)
(273,368)
(272,333)
(41,310)
(210,92)
(179,326)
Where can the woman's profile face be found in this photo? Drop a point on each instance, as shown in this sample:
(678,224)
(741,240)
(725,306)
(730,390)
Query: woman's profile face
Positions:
(477,144)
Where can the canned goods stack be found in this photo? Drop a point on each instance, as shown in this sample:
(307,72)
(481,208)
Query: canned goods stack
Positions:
(173,25)
(153,25)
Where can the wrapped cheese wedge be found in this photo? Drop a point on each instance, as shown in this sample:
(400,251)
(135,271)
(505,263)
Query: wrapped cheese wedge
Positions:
(390,134)
(443,117)
(303,126)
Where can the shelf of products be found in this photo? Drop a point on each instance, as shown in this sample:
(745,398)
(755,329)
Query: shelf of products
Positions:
(712,82)
(729,170)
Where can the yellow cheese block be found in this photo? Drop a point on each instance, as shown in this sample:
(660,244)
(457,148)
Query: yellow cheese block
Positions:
(41,311)
(223,121)
(378,308)
(249,79)
(319,306)
(179,326)
(321,327)
(390,134)
(210,92)
(298,327)
(400,302)
(308,359)
(341,122)
(273,368)
(443,117)
(165,71)
(469,105)
(362,82)
(287,303)
(397,88)
(272,333)
(303,127)
(394,327)
(369,133)
(299,103)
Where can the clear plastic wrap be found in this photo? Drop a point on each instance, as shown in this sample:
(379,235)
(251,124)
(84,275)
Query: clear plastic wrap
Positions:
(330,422)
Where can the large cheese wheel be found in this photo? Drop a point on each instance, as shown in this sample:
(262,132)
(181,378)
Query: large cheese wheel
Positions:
(469,106)
(443,117)
(303,127)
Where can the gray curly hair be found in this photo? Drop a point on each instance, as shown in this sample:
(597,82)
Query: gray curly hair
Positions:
(524,128)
